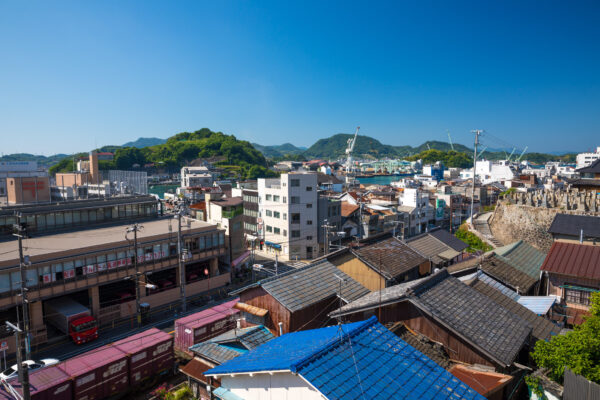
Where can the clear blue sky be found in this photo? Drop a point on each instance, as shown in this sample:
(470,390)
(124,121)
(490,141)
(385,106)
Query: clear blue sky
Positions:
(80,74)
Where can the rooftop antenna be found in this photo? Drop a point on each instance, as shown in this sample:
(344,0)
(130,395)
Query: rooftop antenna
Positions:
(450,139)
(342,280)
(477,133)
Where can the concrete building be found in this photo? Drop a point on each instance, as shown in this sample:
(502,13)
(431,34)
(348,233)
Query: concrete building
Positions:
(418,210)
(586,159)
(288,223)
(329,213)
(227,213)
(196,177)
(27,190)
(435,170)
(92,267)
(18,169)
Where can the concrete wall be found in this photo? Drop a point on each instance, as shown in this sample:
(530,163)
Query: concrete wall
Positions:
(27,190)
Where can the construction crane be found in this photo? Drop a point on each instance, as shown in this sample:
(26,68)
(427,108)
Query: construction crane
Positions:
(521,156)
(511,153)
(349,149)
(450,139)
(481,153)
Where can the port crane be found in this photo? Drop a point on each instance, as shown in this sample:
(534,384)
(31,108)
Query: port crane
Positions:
(349,150)
(523,153)
(450,139)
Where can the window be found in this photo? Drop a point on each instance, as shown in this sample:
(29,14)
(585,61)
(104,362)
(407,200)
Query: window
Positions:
(284,199)
(275,198)
(308,222)
(276,214)
(268,197)
(284,216)
(268,213)
(309,238)
(309,188)
(295,200)
(294,182)
(269,228)
(308,205)
(295,218)
(284,232)
(276,231)
(578,296)
(295,234)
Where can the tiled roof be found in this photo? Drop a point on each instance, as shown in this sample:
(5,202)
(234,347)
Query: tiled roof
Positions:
(573,259)
(523,257)
(428,246)
(593,168)
(494,330)
(543,329)
(571,225)
(361,360)
(449,239)
(391,256)
(504,271)
(584,182)
(232,343)
(471,315)
(308,285)
(420,342)
(348,209)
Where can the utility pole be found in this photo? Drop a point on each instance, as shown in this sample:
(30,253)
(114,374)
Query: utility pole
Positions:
(180,261)
(21,232)
(23,372)
(477,132)
(135,228)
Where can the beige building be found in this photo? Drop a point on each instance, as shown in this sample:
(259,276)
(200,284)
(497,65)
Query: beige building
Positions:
(288,222)
(95,267)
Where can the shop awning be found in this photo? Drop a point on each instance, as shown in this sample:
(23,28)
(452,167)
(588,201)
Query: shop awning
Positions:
(585,289)
(273,245)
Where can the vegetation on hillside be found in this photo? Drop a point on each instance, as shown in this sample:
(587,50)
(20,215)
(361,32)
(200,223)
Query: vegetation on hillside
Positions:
(279,151)
(181,149)
(451,158)
(578,349)
(475,244)
(335,146)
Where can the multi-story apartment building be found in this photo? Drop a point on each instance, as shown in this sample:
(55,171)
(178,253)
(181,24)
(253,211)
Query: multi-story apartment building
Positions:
(586,159)
(95,267)
(288,222)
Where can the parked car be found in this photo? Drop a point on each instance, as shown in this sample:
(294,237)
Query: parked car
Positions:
(13,370)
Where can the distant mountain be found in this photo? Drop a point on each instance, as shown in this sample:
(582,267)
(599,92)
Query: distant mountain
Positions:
(335,147)
(442,146)
(278,150)
(145,142)
(42,161)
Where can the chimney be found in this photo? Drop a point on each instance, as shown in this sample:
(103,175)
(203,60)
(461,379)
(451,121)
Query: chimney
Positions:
(280,328)
(94,173)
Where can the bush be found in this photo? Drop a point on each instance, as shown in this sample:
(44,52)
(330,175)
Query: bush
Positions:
(475,244)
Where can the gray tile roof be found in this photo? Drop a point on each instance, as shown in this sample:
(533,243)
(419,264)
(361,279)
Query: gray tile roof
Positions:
(231,344)
(449,239)
(422,343)
(525,257)
(391,256)
(308,285)
(478,319)
(543,329)
(571,225)
(428,246)
(505,271)
(473,316)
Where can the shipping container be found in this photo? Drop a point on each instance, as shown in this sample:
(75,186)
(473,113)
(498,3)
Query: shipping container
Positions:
(50,383)
(205,324)
(98,374)
(150,353)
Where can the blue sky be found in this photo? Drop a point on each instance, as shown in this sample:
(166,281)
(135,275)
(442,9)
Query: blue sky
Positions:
(81,74)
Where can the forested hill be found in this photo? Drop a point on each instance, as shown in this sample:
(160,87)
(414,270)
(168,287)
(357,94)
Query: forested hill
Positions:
(238,157)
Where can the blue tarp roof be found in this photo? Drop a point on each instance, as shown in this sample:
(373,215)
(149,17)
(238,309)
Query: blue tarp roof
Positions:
(354,361)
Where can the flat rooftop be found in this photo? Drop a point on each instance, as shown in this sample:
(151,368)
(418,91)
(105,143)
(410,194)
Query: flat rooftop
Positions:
(49,244)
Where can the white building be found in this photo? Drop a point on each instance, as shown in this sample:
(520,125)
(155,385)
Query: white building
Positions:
(585,159)
(415,203)
(196,177)
(288,221)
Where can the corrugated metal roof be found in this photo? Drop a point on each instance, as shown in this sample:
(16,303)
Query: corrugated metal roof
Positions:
(573,259)
(225,394)
(390,256)
(308,285)
(361,360)
(504,271)
(539,305)
(523,257)
(209,315)
(250,309)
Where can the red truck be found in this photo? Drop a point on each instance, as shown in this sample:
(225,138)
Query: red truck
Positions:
(72,319)
(110,371)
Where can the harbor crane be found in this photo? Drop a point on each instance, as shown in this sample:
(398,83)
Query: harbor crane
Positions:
(522,153)
(349,150)
(450,139)
(511,153)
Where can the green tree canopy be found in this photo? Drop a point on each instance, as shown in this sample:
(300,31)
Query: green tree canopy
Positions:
(579,349)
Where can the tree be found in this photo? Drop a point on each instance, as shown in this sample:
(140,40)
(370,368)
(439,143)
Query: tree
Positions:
(126,157)
(579,349)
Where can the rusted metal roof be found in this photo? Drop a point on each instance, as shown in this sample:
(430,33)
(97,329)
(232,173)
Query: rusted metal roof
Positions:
(573,259)
(348,209)
(390,256)
(259,312)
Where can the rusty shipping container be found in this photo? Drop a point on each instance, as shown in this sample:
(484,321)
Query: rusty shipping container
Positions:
(205,324)
(50,383)
(150,353)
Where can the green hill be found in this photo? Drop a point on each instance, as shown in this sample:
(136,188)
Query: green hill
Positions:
(278,150)
(335,147)
(144,142)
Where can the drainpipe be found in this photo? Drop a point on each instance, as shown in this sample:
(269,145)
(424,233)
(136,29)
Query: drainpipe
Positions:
(280,328)
(581,236)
